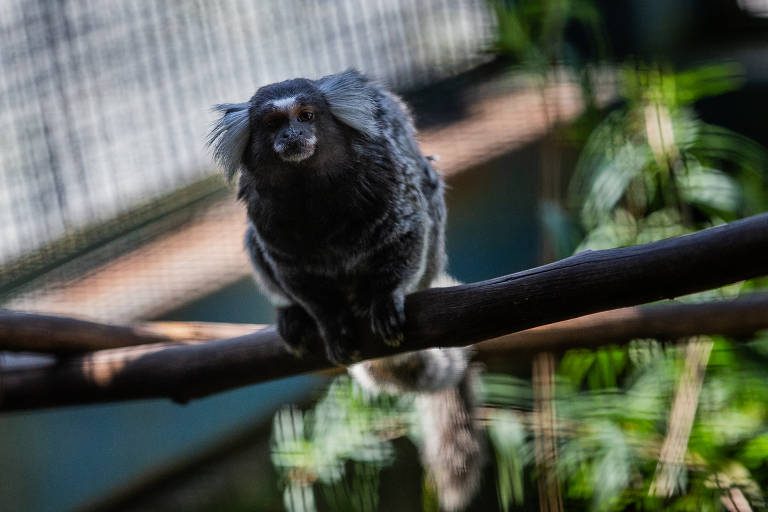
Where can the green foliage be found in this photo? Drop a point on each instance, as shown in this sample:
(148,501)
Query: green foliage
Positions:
(533,31)
(652,170)
(612,412)
(610,428)
(512,451)
(339,446)
(601,368)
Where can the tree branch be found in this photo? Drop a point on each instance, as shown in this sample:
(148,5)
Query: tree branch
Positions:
(739,318)
(454,316)
(63,336)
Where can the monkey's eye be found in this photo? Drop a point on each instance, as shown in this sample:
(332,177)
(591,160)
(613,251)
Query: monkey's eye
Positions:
(305,116)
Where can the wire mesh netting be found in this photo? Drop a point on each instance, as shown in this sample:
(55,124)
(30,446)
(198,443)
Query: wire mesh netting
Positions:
(105,106)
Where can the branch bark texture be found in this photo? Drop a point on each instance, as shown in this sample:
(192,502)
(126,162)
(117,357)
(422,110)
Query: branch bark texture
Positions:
(456,316)
(63,336)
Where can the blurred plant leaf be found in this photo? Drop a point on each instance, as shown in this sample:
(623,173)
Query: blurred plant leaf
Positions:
(358,491)
(533,31)
(506,390)
(346,425)
(713,191)
(652,170)
(509,441)
(755,451)
(299,497)
(701,82)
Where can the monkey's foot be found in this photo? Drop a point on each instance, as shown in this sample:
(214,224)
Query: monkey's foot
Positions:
(388,319)
(298,329)
(340,346)
(341,343)
(345,358)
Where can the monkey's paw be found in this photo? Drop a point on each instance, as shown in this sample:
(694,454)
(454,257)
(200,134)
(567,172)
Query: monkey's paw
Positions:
(388,319)
(298,330)
(343,357)
(340,346)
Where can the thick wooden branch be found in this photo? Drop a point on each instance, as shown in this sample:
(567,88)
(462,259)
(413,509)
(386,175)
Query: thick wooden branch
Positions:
(738,318)
(28,332)
(455,316)
(114,374)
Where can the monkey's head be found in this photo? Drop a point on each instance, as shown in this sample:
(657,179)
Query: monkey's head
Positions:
(299,122)
(288,118)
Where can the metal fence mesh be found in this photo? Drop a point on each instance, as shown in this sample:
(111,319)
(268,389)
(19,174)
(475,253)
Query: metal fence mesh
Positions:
(104,105)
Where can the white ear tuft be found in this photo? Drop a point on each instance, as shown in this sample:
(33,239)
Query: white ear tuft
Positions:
(229,135)
(352,100)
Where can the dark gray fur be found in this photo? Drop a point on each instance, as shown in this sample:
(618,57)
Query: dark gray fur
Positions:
(344,233)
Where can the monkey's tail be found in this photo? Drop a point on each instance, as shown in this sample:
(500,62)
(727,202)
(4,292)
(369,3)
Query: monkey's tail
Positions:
(452,448)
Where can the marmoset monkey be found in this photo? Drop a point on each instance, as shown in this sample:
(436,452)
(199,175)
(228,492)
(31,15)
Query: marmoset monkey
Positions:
(346,217)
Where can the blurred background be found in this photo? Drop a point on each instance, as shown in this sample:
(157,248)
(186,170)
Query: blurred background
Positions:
(560,125)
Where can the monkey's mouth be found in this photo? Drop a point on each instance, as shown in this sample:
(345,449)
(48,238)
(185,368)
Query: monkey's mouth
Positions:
(296,150)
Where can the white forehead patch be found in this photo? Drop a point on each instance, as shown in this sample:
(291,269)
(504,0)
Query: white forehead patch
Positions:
(284,103)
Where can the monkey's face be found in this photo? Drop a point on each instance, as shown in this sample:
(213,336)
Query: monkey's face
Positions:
(291,127)
(290,120)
